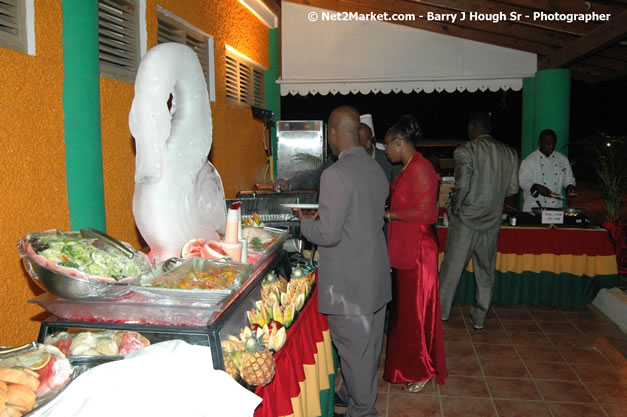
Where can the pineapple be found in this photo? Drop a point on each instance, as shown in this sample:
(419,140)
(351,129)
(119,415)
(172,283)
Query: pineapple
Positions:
(272,287)
(229,365)
(257,363)
(231,354)
(301,279)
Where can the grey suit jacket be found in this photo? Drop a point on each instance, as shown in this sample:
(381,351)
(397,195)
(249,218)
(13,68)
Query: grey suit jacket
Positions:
(390,170)
(486,171)
(354,269)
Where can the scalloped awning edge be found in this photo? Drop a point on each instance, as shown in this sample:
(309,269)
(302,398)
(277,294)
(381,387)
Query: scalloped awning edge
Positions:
(386,87)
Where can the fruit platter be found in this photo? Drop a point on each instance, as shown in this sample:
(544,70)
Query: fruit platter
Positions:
(30,376)
(249,355)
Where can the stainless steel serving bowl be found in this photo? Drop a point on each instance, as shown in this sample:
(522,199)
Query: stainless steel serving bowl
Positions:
(66,286)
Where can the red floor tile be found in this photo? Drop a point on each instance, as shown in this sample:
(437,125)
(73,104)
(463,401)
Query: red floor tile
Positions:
(381,404)
(551,370)
(408,405)
(467,407)
(615,410)
(539,353)
(564,391)
(454,323)
(599,329)
(462,386)
(529,339)
(575,410)
(463,366)
(513,389)
(609,393)
(494,338)
(575,355)
(599,373)
(505,368)
(463,350)
(496,351)
(558,327)
(508,408)
(521,326)
(514,315)
(549,316)
(456,336)
(382,385)
(570,340)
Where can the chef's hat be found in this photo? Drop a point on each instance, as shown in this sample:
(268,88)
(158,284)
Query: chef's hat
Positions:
(367,119)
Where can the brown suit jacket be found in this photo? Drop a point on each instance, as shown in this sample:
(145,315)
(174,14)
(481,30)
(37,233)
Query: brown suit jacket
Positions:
(354,269)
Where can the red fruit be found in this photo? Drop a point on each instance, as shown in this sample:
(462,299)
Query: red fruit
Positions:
(214,250)
(64,346)
(274,324)
(193,248)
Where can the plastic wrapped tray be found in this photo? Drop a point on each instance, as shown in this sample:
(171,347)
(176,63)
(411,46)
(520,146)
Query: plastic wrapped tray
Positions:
(198,280)
(70,282)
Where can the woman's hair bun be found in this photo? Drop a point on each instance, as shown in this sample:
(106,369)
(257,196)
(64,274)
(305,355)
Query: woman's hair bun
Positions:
(408,128)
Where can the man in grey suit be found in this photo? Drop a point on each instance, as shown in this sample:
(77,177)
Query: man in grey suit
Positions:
(354,283)
(486,171)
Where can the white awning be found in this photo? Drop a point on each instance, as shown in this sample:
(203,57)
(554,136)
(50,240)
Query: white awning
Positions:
(345,57)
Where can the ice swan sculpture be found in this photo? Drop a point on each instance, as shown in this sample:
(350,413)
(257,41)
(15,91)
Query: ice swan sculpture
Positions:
(178,193)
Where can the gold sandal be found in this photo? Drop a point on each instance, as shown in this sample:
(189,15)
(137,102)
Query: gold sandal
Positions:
(416,386)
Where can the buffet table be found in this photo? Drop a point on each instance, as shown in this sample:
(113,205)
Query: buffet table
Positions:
(304,379)
(540,265)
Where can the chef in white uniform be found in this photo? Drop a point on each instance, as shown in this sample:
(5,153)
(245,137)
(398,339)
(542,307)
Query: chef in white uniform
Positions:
(544,174)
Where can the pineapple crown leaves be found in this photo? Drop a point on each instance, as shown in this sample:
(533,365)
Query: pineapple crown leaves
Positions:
(255,343)
(270,278)
(298,272)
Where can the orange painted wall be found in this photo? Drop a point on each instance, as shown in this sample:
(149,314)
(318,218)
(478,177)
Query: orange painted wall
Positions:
(237,150)
(32,164)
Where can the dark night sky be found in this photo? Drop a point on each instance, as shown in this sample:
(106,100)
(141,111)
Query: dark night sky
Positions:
(443,115)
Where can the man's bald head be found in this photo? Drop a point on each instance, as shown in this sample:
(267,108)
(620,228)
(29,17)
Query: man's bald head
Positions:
(343,129)
(365,137)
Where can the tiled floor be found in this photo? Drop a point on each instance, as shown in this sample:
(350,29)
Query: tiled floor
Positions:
(530,361)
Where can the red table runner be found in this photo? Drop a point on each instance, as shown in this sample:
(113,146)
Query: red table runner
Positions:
(304,338)
(591,242)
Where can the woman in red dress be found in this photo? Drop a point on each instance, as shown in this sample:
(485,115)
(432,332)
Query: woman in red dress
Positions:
(415,344)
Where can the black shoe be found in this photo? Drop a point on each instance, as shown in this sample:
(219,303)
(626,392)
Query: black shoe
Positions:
(338,414)
(338,402)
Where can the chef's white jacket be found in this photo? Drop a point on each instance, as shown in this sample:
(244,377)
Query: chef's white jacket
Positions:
(554,172)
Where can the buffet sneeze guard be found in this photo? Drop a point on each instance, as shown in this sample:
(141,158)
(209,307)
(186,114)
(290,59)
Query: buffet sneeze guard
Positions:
(301,146)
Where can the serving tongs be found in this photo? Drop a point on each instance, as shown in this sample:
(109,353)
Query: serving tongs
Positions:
(10,351)
(108,240)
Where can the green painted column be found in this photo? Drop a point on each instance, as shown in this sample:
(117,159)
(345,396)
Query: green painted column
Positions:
(552,105)
(273,90)
(528,141)
(81,110)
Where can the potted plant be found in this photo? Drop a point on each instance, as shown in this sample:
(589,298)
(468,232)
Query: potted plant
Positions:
(610,164)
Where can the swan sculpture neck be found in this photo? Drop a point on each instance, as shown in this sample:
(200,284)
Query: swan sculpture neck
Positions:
(178,193)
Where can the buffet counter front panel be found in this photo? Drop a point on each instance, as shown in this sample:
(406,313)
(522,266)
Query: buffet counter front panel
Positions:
(539,265)
(304,378)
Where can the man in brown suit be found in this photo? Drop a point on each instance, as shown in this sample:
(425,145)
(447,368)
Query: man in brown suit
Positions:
(354,282)
(486,171)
